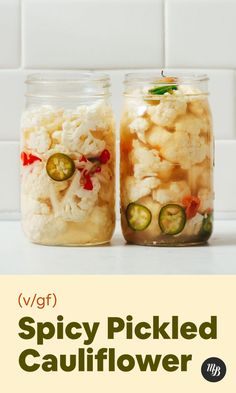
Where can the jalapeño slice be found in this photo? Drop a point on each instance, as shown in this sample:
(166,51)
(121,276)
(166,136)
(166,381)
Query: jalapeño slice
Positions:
(172,219)
(60,167)
(207,224)
(138,216)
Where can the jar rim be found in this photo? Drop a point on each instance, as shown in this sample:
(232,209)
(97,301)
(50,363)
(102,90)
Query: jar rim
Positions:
(68,85)
(154,77)
(62,77)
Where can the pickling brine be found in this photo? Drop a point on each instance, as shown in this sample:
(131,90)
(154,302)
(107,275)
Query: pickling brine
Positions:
(68,160)
(166,146)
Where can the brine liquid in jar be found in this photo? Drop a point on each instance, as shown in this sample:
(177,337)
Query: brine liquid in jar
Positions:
(68,160)
(166,162)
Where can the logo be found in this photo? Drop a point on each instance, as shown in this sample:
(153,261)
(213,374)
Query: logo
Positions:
(213,369)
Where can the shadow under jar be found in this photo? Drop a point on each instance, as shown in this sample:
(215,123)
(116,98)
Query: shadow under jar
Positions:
(68,160)
(166,146)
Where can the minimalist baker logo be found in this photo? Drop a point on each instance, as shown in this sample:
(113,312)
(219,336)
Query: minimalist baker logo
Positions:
(213,369)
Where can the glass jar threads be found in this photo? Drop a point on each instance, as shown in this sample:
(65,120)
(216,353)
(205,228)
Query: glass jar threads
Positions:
(166,146)
(68,160)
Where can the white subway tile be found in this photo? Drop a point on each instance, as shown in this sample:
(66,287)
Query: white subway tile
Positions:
(225,179)
(200,33)
(9,176)
(12,102)
(222,88)
(9,33)
(92,34)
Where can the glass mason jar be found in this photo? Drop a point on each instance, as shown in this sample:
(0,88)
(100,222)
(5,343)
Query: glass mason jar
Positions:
(68,160)
(167,160)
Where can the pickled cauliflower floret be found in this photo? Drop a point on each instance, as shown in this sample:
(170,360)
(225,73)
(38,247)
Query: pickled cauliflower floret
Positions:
(147,162)
(38,141)
(157,136)
(77,203)
(192,226)
(171,192)
(35,181)
(139,126)
(185,148)
(38,227)
(165,113)
(80,139)
(100,115)
(89,231)
(206,197)
(199,106)
(188,90)
(200,176)
(106,191)
(43,116)
(32,206)
(96,116)
(189,123)
(136,189)
(135,107)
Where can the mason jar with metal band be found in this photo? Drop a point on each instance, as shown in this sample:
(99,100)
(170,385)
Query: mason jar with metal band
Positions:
(68,160)
(166,146)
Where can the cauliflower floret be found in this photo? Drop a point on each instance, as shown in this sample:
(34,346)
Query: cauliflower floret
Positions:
(136,189)
(139,125)
(185,148)
(200,176)
(189,90)
(157,136)
(199,106)
(206,198)
(165,113)
(42,116)
(38,141)
(192,226)
(35,181)
(171,192)
(89,231)
(96,116)
(77,204)
(32,206)
(40,228)
(80,140)
(100,115)
(189,123)
(147,162)
(135,107)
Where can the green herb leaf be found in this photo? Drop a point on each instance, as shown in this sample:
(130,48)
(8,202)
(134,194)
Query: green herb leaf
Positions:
(162,89)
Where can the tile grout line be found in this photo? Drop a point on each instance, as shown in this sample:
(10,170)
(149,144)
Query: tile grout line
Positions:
(164,32)
(21,34)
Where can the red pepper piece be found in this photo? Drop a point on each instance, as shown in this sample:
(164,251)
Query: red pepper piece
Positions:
(104,157)
(24,158)
(191,204)
(83,159)
(96,170)
(32,159)
(28,159)
(88,185)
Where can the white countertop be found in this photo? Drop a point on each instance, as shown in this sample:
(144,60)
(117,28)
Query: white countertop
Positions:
(18,256)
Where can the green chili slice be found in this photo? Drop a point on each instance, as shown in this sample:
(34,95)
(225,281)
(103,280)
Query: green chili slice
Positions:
(60,167)
(207,224)
(172,219)
(138,216)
